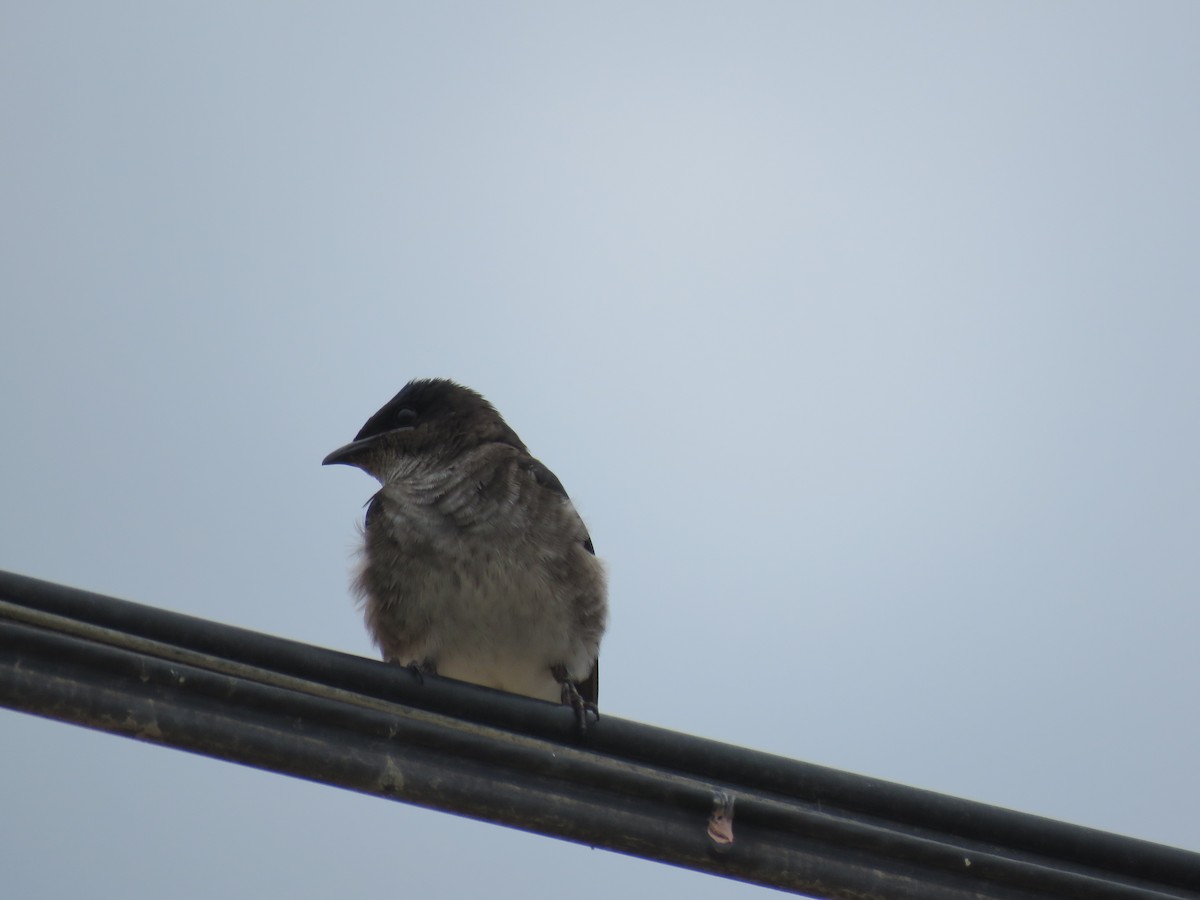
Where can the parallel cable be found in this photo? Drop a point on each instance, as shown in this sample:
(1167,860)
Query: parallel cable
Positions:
(344,720)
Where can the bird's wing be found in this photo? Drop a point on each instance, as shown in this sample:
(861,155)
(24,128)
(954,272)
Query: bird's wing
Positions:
(550,482)
(589,688)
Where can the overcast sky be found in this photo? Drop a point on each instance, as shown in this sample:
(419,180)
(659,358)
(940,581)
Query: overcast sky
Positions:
(866,338)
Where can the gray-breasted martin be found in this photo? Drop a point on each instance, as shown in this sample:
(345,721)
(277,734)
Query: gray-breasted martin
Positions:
(475,564)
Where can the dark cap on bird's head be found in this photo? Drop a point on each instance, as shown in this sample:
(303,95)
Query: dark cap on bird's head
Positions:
(430,416)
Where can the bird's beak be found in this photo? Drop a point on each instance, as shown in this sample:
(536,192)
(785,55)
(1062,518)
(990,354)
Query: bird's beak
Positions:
(346,456)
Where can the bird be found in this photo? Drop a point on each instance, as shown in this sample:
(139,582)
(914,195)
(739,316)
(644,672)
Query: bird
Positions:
(474,563)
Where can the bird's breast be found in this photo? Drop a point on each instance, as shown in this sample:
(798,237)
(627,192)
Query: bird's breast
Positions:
(476,572)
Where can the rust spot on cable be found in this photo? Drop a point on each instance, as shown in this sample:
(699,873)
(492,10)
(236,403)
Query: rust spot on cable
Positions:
(720,823)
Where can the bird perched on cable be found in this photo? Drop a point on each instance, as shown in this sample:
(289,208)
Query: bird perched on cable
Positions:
(475,564)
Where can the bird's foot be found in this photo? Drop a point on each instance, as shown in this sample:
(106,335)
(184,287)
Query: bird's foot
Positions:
(418,669)
(572,698)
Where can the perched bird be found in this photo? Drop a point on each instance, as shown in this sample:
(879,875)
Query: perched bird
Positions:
(475,564)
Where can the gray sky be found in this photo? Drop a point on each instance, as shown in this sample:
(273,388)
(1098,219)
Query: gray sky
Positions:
(865,337)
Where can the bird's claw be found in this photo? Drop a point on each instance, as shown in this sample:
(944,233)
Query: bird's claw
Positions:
(418,669)
(572,698)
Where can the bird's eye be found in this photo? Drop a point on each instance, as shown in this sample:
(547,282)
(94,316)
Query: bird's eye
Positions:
(405,417)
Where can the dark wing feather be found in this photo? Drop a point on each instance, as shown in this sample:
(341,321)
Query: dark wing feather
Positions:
(550,482)
(374,508)
(589,688)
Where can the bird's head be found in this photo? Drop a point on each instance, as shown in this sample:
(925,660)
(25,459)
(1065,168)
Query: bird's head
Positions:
(431,419)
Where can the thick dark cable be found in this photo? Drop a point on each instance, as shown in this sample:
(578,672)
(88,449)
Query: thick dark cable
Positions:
(344,720)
